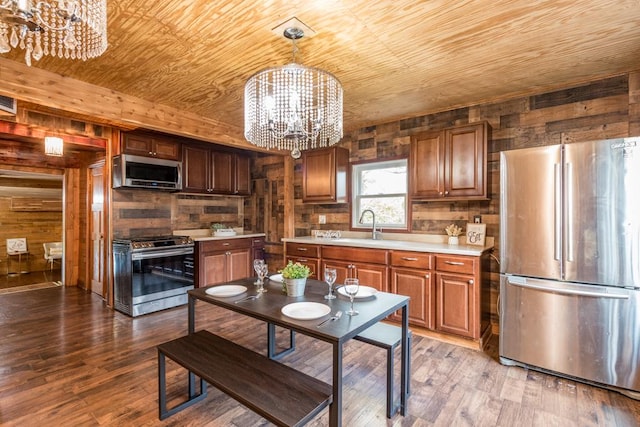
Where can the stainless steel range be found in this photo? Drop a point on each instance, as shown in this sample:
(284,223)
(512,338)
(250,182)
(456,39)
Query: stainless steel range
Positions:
(152,273)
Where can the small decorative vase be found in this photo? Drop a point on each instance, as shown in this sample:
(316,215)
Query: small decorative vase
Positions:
(453,240)
(295,287)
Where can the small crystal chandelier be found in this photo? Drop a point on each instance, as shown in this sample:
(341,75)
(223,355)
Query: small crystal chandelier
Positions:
(293,107)
(75,29)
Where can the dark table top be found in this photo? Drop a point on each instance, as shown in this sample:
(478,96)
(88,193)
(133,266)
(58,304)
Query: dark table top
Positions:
(268,308)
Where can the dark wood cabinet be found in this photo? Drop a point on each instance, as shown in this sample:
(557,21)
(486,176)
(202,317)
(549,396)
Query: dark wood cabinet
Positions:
(305,254)
(213,171)
(370,266)
(221,261)
(149,145)
(450,164)
(325,177)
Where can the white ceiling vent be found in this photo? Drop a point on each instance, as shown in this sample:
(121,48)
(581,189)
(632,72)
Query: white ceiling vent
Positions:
(8,104)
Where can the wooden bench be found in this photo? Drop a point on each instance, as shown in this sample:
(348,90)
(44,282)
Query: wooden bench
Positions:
(277,392)
(388,337)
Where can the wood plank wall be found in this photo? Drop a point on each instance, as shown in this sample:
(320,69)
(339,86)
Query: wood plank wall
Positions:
(607,108)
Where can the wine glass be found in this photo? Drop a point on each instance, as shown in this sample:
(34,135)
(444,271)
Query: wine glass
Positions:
(330,277)
(263,270)
(351,286)
(257,263)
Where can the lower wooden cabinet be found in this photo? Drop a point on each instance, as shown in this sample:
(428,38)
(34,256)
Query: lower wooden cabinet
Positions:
(458,295)
(418,285)
(221,261)
(445,290)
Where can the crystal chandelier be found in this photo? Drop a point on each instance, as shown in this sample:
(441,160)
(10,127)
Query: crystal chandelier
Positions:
(293,107)
(75,29)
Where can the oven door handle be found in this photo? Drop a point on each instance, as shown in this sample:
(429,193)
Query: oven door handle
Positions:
(164,253)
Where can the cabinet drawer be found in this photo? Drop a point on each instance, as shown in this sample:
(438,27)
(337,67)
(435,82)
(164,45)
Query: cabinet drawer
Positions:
(303,249)
(419,260)
(456,264)
(257,242)
(223,245)
(370,256)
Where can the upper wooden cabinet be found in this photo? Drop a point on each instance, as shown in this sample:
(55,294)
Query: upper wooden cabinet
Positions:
(450,163)
(150,145)
(325,173)
(211,171)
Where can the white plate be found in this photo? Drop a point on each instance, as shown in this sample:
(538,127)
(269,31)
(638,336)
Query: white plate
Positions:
(306,310)
(226,290)
(276,278)
(363,292)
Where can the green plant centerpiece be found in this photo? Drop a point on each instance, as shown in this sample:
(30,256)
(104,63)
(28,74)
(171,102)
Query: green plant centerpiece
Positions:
(294,278)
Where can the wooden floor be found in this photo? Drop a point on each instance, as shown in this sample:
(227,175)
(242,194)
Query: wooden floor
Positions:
(66,359)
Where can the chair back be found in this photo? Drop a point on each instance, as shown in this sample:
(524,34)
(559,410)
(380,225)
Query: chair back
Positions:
(52,250)
(17,246)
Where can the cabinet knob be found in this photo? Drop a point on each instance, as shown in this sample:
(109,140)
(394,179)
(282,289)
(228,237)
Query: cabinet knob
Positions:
(471,282)
(440,193)
(446,192)
(302,249)
(227,253)
(426,276)
(226,244)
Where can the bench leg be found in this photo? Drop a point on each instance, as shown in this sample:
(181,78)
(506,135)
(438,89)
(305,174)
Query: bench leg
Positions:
(271,343)
(194,397)
(391,408)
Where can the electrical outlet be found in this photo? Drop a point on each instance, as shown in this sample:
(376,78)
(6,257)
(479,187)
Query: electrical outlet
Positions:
(322,219)
(477,219)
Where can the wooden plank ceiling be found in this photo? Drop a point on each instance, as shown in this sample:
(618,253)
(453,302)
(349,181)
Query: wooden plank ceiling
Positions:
(395,58)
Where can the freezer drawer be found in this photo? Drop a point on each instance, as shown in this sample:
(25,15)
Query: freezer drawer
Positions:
(583,331)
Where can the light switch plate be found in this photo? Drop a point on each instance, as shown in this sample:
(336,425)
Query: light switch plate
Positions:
(322,219)
(477,219)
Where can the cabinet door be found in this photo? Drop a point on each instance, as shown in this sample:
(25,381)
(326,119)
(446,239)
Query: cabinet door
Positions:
(140,145)
(465,171)
(373,275)
(418,285)
(312,263)
(222,177)
(242,175)
(195,171)
(343,269)
(427,165)
(238,264)
(324,178)
(456,305)
(215,269)
(165,149)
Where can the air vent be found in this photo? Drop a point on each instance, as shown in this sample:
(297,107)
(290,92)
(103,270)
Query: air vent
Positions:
(8,104)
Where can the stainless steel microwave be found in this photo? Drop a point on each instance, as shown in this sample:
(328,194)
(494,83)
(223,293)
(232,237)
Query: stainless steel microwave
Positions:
(131,171)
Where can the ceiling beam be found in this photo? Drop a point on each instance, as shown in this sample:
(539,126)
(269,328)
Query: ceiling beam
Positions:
(52,90)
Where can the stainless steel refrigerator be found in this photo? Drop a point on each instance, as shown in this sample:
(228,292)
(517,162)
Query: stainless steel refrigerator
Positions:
(570,261)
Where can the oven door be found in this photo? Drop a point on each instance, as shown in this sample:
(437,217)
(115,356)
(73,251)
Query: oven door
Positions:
(160,278)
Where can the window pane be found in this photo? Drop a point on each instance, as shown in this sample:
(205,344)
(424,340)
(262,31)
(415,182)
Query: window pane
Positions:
(384,181)
(389,211)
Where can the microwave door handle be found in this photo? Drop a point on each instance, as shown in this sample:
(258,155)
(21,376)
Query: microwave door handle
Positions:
(557,250)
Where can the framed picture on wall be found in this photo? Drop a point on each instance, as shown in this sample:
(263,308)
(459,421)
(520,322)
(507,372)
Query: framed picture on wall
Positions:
(476,234)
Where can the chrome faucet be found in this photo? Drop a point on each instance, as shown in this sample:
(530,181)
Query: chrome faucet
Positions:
(375,235)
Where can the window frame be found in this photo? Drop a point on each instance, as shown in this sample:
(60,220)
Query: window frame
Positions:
(355,184)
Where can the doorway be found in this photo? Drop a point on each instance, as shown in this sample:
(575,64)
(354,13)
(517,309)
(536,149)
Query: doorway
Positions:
(32,214)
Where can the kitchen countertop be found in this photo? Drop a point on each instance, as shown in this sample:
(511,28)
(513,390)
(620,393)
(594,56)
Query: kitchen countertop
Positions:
(202,235)
(434,245)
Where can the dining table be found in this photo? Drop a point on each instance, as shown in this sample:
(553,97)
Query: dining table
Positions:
(272,305)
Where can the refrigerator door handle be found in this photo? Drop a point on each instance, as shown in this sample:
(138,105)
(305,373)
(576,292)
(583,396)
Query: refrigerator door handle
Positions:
(569,200)
(557,249)
(523,284)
